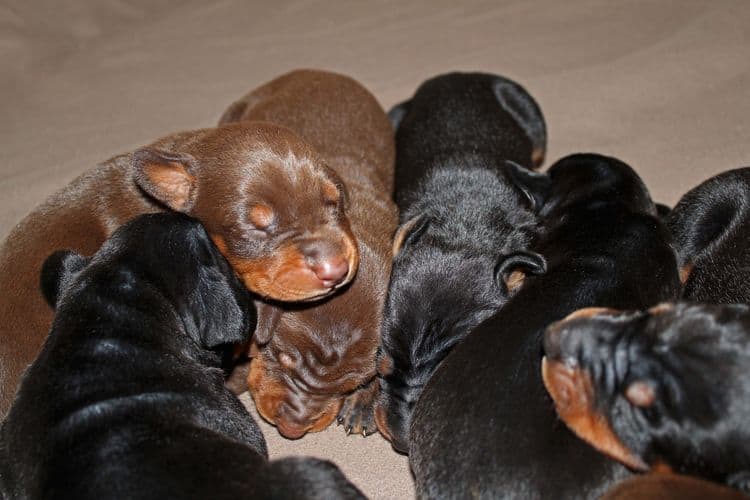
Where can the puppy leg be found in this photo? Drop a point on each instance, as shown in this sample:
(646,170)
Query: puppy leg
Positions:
(357,414)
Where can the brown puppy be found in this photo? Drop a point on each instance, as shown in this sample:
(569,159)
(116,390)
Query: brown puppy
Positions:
(238,180)
(317,357)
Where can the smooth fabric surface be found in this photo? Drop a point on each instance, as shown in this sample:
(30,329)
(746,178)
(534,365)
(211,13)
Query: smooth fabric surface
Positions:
(663,85)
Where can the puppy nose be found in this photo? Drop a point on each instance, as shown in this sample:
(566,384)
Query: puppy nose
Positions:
(331,271)
(326,261)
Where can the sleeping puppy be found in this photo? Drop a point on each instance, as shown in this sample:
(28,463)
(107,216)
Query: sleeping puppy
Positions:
(484,425)
(468,219)
(312,363)
(711,228)
(127,397)
(663,388)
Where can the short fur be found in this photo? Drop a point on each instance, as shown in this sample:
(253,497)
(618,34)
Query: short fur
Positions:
(466,225)
(693,359)
(711,228)
(484,425)
(225,177)
(670,487)
(320,360)
(127,397)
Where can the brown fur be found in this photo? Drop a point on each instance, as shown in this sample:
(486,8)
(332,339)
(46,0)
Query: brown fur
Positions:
(329,348)
(670,487)
(217,175)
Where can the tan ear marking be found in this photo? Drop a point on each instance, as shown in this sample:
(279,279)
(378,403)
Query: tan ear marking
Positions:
(514,280)
(640,394)
(402,232)
(686,271)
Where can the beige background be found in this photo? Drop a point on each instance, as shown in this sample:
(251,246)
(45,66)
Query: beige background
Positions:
(664,85)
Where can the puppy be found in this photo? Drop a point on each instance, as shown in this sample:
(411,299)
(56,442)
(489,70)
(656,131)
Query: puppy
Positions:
(468,219)
(127,397)
(266,197)
(484,425)
(670,487)
(312,363)
(664,388)
(711,227)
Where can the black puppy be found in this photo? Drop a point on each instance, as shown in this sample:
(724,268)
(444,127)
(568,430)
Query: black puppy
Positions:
(484,425)
(127,398)
(665,387)
(468,219)
(711,228)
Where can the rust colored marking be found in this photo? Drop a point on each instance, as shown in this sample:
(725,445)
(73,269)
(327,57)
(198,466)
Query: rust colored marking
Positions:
(385,365)
(173,182)
(661,308)
(515,280)
(402,232)
(686,271)
(537,157)
(380,423)
(589,312)
(261,216)
(573,394)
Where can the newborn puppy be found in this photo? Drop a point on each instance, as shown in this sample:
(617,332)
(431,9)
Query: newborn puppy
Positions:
(238,180)
(666,387)
(468,218)
(711,228)
(127,397)
(484,423)
(312,363)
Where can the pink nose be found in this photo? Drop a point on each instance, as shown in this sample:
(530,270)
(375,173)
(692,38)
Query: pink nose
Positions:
(331,271)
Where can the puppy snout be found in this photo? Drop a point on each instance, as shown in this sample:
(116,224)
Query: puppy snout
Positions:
(327,262)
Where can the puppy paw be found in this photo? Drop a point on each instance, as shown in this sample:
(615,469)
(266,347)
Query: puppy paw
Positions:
(357,414)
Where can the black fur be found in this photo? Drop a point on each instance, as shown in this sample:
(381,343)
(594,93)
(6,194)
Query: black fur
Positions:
(127,397)
(468,217)
(696,359)
(711,228)
(484,426)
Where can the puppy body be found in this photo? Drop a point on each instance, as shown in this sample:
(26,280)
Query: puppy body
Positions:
(307,360)
(227,177)
(484,425)
(711,227)
(672,385)
(670,487)
(127,397)
(464,216)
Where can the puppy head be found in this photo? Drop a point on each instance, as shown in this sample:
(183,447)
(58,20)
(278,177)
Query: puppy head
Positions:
(316,358)
(593,178)
(274,209)
(668,386)
(476,111)
(438,293)
(168,253)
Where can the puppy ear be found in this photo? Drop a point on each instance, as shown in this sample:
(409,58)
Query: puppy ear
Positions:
(397,113)
(58,271)
(234,112)
(409,232)
(641,394)
(268,319)
(168,177)
(534,185)
(525,111)
(227,315)
(512,269)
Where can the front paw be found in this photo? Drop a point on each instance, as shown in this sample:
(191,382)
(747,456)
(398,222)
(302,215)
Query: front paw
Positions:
(357,414)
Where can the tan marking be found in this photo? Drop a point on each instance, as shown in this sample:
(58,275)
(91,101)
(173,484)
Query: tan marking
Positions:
(331,194)
(261,216)
(686,271)
(662,308)
(537,157)
(515,280)
(402,232)
(573,393)
(641,394)
(173,182)
(380,423)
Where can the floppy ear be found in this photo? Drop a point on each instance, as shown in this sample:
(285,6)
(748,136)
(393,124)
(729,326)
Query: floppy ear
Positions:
(534,185)
(168,177)
(233,113)
(525,111)
(227,314)
(512,269)
(58,272)
(397,113)
(268,319)
(409,232)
